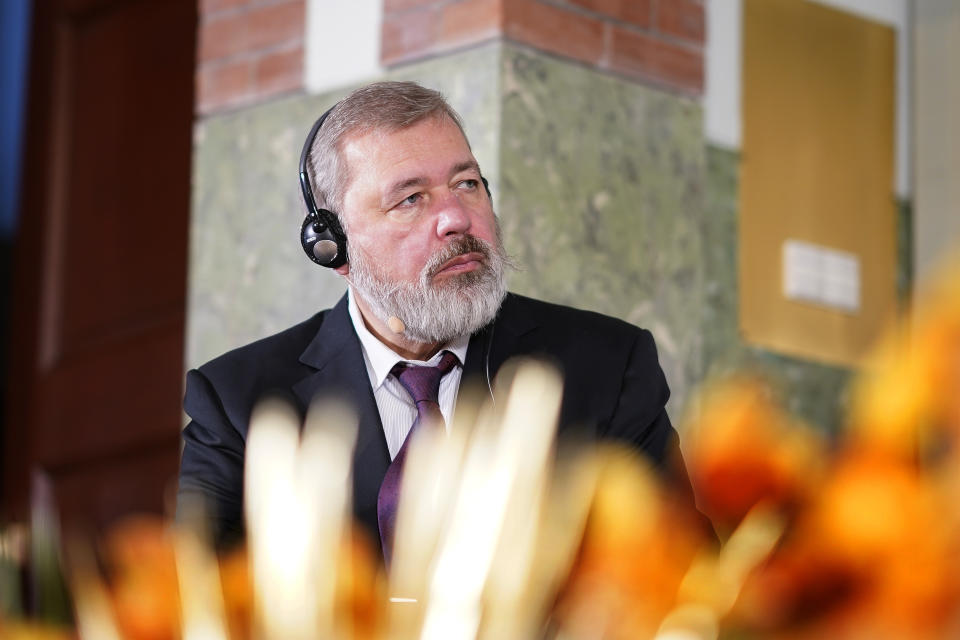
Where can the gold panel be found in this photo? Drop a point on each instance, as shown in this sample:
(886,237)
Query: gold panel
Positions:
(817,166)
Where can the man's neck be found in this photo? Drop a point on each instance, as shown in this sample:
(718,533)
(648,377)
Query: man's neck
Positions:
(404,347)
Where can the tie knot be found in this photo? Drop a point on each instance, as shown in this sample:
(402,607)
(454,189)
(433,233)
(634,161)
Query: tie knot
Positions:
(423,383)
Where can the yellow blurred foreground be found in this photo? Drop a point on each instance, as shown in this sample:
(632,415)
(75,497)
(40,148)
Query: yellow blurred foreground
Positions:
(499,537)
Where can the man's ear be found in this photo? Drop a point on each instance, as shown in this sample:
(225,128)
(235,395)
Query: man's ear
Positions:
(343,269)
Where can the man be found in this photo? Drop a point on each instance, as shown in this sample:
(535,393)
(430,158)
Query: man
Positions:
(426,272)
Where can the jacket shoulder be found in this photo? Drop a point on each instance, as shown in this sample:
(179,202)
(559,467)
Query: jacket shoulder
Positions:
(586,324)
(271,364)
(284,345)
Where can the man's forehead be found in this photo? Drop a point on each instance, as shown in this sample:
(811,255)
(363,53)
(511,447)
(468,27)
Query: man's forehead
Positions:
(380,135)
(383,149)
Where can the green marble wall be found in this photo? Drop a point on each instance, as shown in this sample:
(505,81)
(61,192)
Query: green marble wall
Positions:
(608,196)
(248,277)
(904,253)
(602,194)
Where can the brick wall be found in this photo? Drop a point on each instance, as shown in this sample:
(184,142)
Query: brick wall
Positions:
(655,41)
(249,50)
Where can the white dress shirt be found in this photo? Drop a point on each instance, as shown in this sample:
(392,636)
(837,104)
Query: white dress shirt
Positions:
(397,409)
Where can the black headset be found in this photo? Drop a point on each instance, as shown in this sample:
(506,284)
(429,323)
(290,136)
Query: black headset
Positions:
(321,235)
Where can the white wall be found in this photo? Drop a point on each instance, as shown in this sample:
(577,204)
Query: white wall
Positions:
(342,43)
(937,128)
(722,110)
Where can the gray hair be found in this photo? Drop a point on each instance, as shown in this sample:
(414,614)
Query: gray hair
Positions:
(381,106)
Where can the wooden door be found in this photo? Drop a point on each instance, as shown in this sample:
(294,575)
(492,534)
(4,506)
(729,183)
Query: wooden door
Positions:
(97,321)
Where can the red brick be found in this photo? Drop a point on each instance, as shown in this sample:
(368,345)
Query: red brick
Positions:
(636,12)
(681,19)
(408,35)
(249,31)
(607,7)
(220,38)
(279,72)
(278,24)
(644,56)
(212,6)
(223,85)
(553,29)
(391,6)
(469,21)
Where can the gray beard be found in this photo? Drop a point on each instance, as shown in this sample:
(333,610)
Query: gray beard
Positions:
(437,312)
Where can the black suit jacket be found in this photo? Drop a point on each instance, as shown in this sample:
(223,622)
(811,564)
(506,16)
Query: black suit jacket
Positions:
(613,389)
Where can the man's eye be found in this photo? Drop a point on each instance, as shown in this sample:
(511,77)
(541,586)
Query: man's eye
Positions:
(411,199)
(470,183)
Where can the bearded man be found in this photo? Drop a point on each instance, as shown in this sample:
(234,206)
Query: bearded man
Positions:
(416,239)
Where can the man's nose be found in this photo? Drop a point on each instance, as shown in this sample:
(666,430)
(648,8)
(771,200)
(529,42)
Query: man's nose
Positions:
(453,217)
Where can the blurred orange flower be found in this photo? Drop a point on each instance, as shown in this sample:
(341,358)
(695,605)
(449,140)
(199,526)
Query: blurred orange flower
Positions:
(746,450)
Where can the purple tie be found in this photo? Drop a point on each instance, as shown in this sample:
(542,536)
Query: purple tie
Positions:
(423,385)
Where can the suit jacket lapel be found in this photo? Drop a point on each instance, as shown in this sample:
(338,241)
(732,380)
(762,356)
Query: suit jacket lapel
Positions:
(491,346)
(336,355)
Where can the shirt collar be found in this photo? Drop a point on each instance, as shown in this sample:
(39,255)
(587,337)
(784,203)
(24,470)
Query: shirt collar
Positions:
(380,358)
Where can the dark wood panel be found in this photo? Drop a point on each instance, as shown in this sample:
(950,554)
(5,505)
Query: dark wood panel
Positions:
(126,186)
(100,260)
(125,393)
(96,495)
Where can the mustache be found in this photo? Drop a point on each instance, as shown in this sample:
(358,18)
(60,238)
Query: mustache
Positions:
(457,247)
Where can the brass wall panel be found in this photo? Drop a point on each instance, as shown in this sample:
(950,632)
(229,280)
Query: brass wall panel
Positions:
(818,158)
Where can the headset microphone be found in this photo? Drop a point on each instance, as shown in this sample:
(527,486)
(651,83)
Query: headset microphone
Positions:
(321,236)
(396,324)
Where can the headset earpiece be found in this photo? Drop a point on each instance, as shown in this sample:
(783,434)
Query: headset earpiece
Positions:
(321,236)
(323,242)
